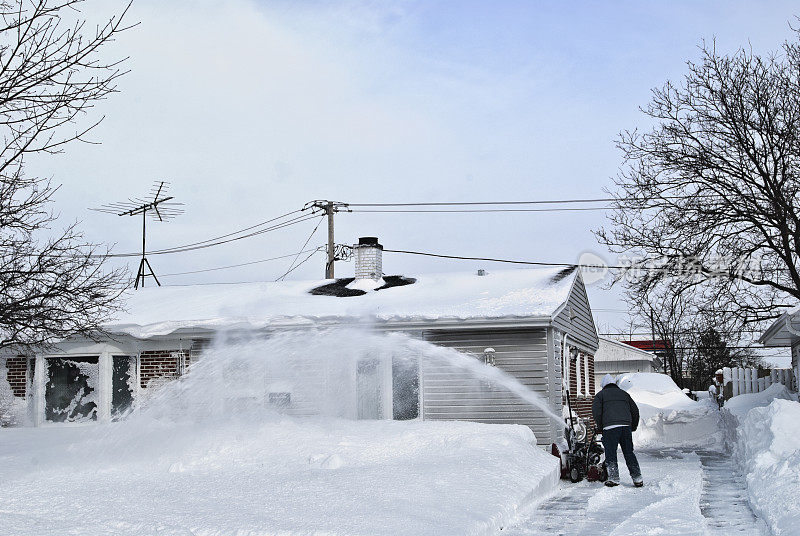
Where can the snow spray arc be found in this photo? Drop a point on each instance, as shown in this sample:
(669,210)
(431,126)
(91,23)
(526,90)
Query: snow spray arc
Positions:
(334,372)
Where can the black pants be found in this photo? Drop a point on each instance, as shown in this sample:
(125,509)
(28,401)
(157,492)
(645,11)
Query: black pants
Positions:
(622,437)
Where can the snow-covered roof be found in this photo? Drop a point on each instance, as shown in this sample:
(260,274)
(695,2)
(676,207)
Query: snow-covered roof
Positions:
(611,350)
(506,294)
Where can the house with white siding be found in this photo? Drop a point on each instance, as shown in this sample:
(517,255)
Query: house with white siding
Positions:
(785,332)
(534,324)
(618,357)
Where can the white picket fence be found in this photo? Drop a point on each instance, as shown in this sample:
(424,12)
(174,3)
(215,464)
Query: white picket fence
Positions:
(746,380)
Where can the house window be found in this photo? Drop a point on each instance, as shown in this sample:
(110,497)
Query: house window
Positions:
(71,389)
(578,376)
(368,389)
(586,374)
(405,389)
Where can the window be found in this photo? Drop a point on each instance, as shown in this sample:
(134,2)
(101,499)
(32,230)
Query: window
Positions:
(586,374)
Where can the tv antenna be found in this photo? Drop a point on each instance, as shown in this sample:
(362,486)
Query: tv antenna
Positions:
(159,206)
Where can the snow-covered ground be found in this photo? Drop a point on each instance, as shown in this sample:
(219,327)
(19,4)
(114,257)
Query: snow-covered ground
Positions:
(693,485)
(268,474)
(763,429)
(208,454)
(281,477)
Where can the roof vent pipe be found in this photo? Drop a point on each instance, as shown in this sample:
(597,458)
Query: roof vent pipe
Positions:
(369,258)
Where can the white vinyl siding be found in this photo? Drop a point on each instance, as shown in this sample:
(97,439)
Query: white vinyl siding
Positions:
(453,394)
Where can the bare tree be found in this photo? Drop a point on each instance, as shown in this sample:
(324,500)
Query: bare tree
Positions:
(707,199)
(53,284)
(665,316)
(695,340)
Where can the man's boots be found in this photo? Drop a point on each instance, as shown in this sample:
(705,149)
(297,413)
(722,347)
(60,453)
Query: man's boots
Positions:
(613,474)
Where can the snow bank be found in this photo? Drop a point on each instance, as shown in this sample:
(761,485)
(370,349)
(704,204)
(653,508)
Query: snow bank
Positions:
(740,405)
(669,418)
(283,477)
(648,381)
(698,426)
(768,450)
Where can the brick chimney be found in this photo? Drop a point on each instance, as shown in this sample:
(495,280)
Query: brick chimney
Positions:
(369,258)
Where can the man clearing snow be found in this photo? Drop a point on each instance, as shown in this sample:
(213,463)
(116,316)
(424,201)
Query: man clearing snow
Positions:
(717,388)
(616,414)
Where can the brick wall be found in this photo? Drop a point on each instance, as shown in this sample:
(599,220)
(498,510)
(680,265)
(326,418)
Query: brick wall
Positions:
(582,404)
(161,364)
(165,364)
(17,374)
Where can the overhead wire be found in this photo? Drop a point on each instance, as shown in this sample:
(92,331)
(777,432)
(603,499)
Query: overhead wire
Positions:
(291,266)
(529,202)
(297,220)
(462,211)
(467,203)
(535,263)
(241,264)
(239,231)
(207,244)
(301,263)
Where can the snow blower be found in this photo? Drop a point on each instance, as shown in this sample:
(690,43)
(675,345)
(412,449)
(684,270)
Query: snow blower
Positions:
(584,456)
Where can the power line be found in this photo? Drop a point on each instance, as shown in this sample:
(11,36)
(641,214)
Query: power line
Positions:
(682,332)
(461,211)
(458,257)
(553,264)
(301,263)
(468,203)
(181,249)
(291,266)
(235,232)
(242,264)
(533,202)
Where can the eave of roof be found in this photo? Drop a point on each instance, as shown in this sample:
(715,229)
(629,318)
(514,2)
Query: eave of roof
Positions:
(778,334)
(298,323)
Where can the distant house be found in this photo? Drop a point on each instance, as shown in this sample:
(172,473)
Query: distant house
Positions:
(785,332)
(620,357)
(528,322)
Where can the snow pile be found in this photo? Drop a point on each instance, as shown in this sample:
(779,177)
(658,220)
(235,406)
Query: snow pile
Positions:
(740,405)
(768,450)
(669,418)
(282,477)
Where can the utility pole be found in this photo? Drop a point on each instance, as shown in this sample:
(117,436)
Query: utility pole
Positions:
(329,208)
(329,273)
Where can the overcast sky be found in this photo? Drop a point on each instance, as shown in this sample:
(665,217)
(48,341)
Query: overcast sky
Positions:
(252,108)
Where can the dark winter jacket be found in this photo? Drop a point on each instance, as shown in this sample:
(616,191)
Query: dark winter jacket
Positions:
(612,406)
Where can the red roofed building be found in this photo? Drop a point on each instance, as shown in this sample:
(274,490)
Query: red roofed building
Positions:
(650,345)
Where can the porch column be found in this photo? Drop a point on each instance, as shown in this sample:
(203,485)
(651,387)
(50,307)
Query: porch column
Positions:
(38,385)
(105,375)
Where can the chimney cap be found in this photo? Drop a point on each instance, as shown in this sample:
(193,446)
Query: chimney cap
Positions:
(369,241)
